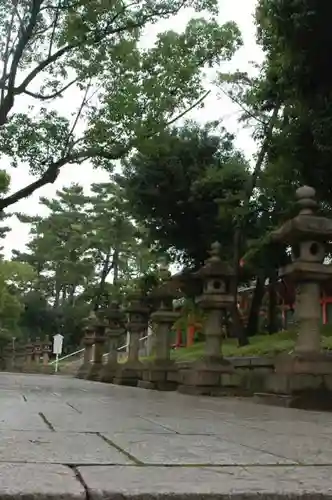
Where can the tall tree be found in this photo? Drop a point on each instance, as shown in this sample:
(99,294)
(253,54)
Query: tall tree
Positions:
(174,184)
(127,92)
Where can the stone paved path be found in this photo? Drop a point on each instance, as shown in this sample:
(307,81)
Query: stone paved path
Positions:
(61,437)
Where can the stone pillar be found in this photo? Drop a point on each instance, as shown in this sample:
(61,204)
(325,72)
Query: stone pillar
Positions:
(303,378)
(37,350)
(28,355)
(212,375)
(46,350)
(114,332)
(88,341)
(161,374)
(96,366)
(131,371)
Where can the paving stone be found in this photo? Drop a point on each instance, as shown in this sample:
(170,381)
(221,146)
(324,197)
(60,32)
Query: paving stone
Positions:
(56,447)
(226,482)
(87,422)
(178,449)
(42,481)
(305,449)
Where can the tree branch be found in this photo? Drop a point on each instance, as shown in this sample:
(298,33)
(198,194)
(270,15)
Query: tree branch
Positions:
(24,39)
(42,97)
(53,169)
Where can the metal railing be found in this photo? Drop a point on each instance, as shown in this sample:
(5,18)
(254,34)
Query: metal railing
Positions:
(82,350)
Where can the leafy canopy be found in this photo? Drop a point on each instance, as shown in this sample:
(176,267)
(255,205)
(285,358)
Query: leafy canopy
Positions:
(123,91)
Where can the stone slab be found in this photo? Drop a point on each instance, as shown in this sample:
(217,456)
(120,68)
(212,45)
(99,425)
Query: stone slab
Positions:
(175,449)
(88,422)
(39,481)
(56,447)
(175,483)
(306,449)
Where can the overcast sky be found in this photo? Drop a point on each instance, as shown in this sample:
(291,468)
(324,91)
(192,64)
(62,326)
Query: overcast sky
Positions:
(240,11)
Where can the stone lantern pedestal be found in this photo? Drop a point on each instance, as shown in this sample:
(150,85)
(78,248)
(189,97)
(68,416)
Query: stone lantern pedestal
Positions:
(37,350)
(46,350)
(303,378)
(212,375)
(88,341)
(161,374)
(114,332)
(99,342)
(28,356)
(130,372)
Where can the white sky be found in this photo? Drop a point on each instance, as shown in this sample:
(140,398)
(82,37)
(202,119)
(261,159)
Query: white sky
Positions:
(240,11)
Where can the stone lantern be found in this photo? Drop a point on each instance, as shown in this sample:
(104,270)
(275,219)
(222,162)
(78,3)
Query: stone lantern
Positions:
(114,332)
(303,377)
(131,371)
(212,374)
(37,350)
(88,342)
(161,374)
(46,350)
(28,354)
(99,342)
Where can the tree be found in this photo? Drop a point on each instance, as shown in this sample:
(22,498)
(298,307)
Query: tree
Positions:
(173,185)
(75,249)
(295,37)
(128,93)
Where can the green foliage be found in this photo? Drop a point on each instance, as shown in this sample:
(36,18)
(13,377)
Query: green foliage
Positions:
(260,345)
(296,37)
(174,185)
(85,251)
(127,92)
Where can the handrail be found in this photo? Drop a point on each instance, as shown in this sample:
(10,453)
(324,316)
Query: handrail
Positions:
(81,350)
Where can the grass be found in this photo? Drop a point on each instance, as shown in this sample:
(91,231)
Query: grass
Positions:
(260,345)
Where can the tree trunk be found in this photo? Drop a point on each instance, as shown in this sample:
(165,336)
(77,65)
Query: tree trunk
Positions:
(241,222)
(255,307)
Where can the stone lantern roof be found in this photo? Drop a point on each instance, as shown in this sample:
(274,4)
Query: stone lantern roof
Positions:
(307,224)
(167,290)
(214,267)
(113,312)
(90,323)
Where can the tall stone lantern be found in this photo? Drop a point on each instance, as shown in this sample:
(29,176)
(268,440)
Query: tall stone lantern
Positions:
(46,350)
(305,375)
(130,372)
(161,374)
(212,374)
(37,350)
(99,343)
(114,331)
(28,355)
(88,342)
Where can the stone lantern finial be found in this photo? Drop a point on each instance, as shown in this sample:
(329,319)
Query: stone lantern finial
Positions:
(215,252)
(164,272)
(306,200)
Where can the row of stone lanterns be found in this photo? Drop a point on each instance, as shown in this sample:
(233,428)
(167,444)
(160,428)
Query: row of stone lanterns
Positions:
(25,356)
(204,376)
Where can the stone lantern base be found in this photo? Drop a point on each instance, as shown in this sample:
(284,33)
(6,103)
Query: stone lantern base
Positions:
(160,375)
(94,371)
(108,372)
(209,378)
(128,373)
(83,370)
(301,381)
